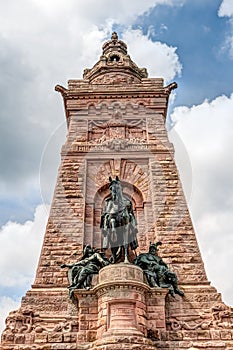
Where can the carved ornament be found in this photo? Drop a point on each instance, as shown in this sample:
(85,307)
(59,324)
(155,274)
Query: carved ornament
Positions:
(117,133)
(219,317)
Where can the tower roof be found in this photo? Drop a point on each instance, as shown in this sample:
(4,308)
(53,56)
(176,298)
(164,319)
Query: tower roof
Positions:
(114,45)
(115,60)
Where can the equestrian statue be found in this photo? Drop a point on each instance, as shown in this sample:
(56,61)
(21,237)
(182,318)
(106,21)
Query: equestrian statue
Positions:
(119,228)
(118,223)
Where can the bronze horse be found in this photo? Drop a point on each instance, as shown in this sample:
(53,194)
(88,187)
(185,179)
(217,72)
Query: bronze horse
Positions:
(118,223)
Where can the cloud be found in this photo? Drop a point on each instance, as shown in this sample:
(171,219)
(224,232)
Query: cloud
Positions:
(160,59)
(26,108)
(207,133)
(215,234)
(20,246)
(226,10)
(49,163)
(120,11)
(19,249)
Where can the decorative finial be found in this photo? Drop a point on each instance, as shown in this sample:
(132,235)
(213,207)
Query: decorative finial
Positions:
(114,36)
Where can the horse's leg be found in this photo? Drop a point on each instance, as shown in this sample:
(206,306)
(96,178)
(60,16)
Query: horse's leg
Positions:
(113,257)
(113,229)
(125,243)
(113,239)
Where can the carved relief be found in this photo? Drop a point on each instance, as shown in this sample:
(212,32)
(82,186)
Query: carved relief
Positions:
(23,325)
(192,324)
(19,322)
(126,129)
(220,316)
(117,133)
(115,78)
(63,326)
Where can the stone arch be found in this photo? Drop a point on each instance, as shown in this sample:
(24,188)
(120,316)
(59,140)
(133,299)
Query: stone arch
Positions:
(129,191)
(128,171)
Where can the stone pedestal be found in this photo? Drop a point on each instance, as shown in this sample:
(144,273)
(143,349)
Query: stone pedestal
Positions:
(122,308)
(121,301)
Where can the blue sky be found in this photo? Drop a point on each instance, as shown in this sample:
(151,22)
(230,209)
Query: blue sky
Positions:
(198,33)
(44,43)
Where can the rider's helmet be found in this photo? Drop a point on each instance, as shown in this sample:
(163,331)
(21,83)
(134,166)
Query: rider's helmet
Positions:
(87,250)
(154,246)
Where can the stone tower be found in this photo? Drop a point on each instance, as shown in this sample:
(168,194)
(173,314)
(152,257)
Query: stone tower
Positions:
(116,127)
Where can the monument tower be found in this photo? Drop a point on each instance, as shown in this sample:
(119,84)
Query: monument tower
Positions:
(116,128)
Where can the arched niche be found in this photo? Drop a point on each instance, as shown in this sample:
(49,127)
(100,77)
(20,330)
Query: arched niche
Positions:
(93,234)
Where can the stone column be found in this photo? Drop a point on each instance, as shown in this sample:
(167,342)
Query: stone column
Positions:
(121,301)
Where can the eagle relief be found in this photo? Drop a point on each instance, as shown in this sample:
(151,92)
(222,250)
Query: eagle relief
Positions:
(117,133)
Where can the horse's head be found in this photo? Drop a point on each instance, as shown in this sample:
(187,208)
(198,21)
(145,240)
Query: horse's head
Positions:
(115,187)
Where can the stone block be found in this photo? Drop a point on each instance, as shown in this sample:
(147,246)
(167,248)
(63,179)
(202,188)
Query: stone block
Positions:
(8,338)
(215,334)
(93,325)
(160,324)
(41,337)
(83,310)
(55,337)
(175,335)
(189,335)
(81,336)
(226,335)
(91,335)
(29,338)
(93,310)
(203,335)
(84,325)
(19,339)
(69,337)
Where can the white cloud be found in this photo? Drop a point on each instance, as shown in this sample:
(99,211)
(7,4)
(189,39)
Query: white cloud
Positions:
(19,249)
(70,34)
(216,238)
(160,59)
(20,246)
(120,11)
(50,160)
(210,121)
(207,132)
(226,10)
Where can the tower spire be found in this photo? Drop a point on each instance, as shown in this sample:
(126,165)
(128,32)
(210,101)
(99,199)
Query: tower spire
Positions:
(115,59)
